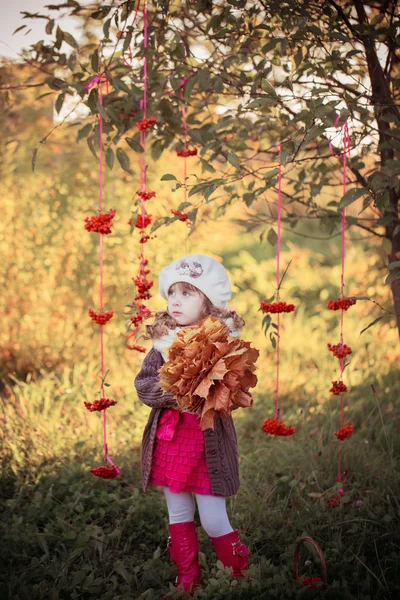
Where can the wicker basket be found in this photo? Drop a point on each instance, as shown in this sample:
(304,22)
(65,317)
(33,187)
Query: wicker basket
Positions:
(318,551)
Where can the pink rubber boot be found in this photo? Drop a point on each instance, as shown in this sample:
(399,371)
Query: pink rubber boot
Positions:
(231,552)
(183,549)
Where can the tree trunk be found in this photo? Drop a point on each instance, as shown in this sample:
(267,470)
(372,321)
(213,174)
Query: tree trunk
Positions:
(383,105)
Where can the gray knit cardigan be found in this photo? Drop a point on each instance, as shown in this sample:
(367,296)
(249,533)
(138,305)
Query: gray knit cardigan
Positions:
(220,444)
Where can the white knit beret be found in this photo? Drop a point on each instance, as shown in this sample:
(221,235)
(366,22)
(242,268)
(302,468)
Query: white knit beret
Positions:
(202,271)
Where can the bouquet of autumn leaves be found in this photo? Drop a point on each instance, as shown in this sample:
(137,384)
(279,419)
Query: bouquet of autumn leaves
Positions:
(209,371)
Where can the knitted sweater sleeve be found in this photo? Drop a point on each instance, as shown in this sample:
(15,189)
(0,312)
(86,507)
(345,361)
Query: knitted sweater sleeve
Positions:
(146,383)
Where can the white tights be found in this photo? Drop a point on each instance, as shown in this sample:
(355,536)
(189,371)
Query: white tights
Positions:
(212,511)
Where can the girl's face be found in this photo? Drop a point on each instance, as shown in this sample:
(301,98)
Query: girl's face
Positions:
(184,305)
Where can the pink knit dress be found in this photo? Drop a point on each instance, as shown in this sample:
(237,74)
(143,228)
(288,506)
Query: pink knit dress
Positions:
(179,459)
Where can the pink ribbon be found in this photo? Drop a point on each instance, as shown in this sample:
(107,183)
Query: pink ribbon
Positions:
(346,149)
(167,424)
(99,79)
(181,86)
(278,279)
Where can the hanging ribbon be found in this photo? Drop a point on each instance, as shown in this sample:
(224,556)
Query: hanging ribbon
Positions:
(341,350)
(183,215)
(101,224)
(142,220)
(278,280)
(274,426)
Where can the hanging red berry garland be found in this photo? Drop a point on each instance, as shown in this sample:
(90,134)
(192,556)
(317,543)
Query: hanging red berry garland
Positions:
(142,220)
(341,350)
(272,425)
(101,224)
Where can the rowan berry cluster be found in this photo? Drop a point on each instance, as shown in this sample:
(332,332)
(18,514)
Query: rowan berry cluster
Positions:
(276,307)
(143,286)
(309,580)
(275,427)
(100,318)
(145,238)
(144,124)
(339,351)
(143,222)
(183,216)
(333,501)
(338,387)
(135,347)
(186,153)
(100,404)
(101,223)
(341,303)
(105,472)
(136,319)
(145,195)
(344,432)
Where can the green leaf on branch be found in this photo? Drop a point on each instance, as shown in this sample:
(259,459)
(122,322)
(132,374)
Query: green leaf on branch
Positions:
(159,222)
(371,324)
(272,238)
(351,196)
(249,198)
(59,102)
(392,276)
(268,88)
(110,157)
(91,147)
(198,188)
(207,166)
(55,83)
(84,132)
(394,265)
(266,322)
(183,205)
(233,159)
(94,61)
(69,39)
(204,79)
(193,215)
(120,85)
(260,103)
(102,112)
(49,26)
(168,177)
(210,190)
(101,13)
(123,160)
(19,29)
(106,28)
(314,133)
(271,173)
(134,145)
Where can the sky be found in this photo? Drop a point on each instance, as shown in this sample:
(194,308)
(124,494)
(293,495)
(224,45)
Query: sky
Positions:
(11,19)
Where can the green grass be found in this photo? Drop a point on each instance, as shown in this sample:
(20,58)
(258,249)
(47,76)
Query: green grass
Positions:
(66,534)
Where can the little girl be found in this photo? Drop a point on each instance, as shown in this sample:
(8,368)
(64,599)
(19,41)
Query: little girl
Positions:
(176,454)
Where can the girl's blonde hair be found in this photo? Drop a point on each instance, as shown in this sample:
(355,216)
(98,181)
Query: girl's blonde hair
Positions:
(164,321)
